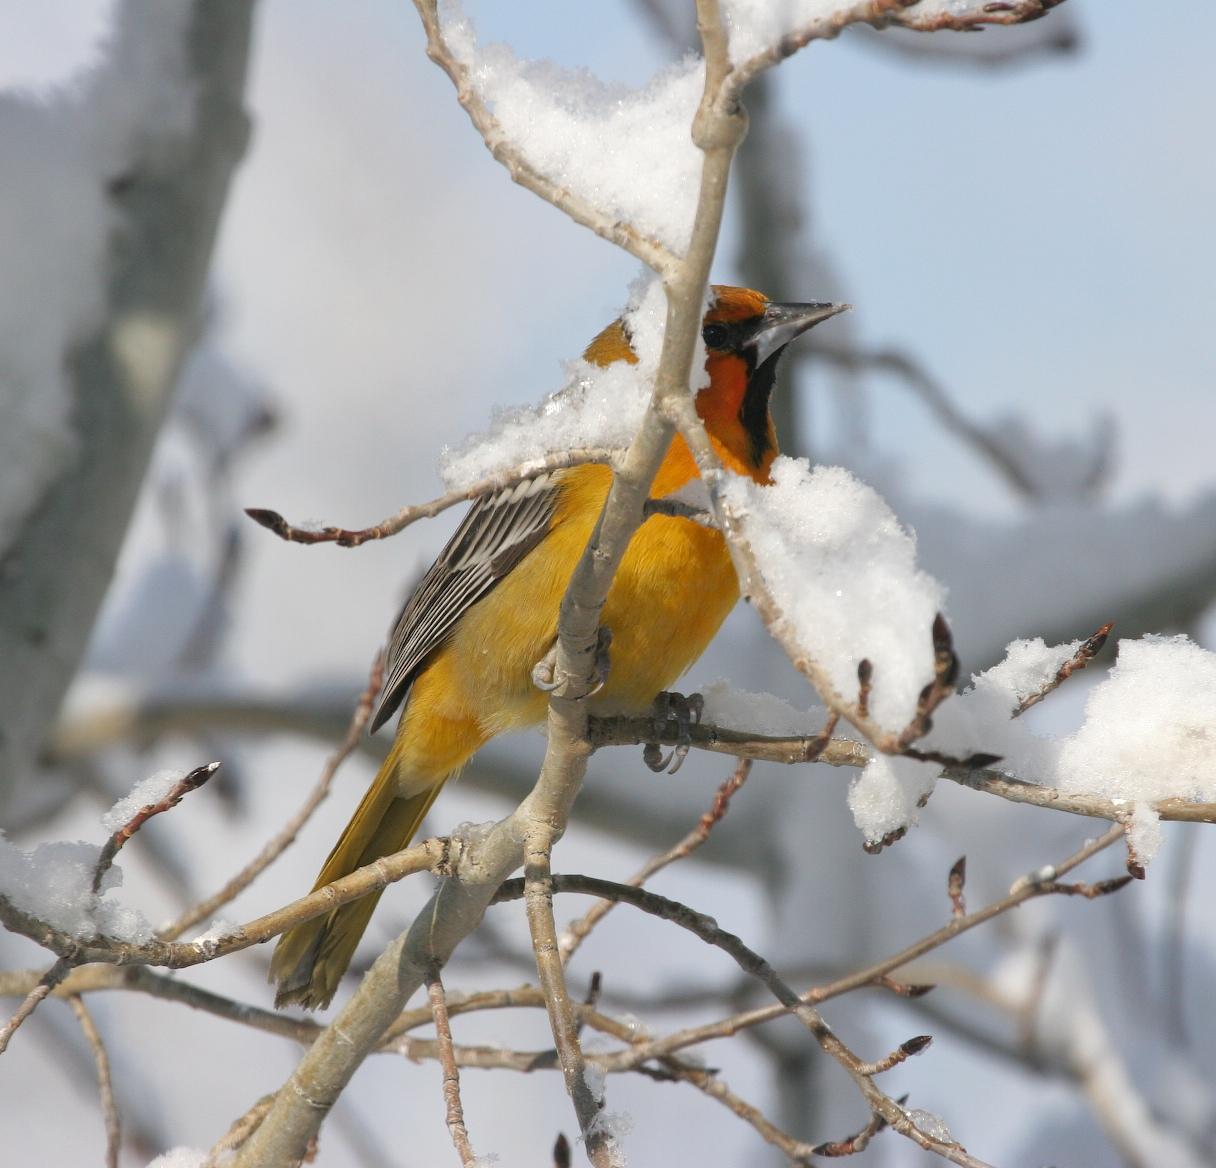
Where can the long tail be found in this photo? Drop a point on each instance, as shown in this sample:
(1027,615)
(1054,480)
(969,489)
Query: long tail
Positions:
(309,960)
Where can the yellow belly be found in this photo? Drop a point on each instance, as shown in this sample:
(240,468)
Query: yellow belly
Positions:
(673,590)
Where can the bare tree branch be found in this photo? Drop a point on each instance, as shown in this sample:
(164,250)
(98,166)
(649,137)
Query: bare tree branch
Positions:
(862,1073)
(872,974)
(346,537)
(624,235)
(435,855)
(105,1084)
(1088,650)
(1048,39)
(578,931)
(925,16)
(451,1075)
(71,951)
(285,837)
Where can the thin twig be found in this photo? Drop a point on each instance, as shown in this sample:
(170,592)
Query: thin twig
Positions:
(434,855)
(240,1131)
(752,963)
(1088,650)
(110,849)
(871,974)
(286,836)
(70,950)
(451,1075)
(105,1084)
(858,1142)
(880,13)
(46,983)
(353,537)
(1056,37)
(845,752)
(577,931)
(538,896)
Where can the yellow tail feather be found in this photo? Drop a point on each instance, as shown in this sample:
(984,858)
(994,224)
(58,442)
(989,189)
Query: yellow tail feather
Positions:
(309,960)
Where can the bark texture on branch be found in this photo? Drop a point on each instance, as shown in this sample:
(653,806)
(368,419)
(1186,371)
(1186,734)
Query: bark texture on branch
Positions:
(169,197)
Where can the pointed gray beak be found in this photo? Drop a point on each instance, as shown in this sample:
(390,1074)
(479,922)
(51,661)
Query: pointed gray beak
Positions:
(781,323)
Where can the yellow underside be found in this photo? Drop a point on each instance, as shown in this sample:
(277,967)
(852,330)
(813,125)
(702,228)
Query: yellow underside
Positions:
(672,591)
(674,588)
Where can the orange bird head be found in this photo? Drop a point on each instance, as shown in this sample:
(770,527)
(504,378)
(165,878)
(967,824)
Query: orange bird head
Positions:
(745,335)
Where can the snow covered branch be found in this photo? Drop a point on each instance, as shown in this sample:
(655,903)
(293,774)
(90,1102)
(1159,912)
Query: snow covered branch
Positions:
(761,39)
(506,150)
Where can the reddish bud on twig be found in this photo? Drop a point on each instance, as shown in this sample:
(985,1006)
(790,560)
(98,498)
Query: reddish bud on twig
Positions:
(189,782)
(906,989)
(954,886)
(865,677)
(900,1054)
(1078,661)
(873,847)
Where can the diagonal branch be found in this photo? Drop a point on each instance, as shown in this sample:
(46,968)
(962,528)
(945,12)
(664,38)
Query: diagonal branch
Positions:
(753,964)
(286,835)
(586,214)
(578,931)
(922,16)
(353,537)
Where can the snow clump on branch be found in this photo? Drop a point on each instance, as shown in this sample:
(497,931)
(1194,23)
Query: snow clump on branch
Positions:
(1149,730)
(625,151)
(843,573)
(598,406)
(54,883)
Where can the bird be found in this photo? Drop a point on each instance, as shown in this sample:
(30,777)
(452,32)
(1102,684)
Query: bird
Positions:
(461,655)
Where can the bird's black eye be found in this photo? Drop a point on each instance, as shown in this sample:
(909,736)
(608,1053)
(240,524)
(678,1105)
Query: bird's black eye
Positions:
(715,336)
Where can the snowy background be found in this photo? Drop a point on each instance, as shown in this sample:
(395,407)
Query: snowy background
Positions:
(1038,235)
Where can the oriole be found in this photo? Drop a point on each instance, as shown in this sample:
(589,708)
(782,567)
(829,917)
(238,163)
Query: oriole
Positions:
(463,649)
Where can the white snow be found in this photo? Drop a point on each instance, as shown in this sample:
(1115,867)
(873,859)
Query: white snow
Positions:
(761,713)
(981,718)
(1148,732)
(595,1077)
(1144,832)
(932,1125)
(146,792)
(215,932)
(58,155)
(752,26)
(1150,726)
(884,797)
(613,1124)
(54,883)
(472,834)
(597,406)
(843,572)
(628,152)
(180,1157)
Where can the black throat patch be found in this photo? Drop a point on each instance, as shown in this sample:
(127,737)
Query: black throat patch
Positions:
(753,414)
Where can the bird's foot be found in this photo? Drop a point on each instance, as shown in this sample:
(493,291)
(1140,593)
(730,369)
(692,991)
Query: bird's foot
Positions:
(545,675)
(685,711)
